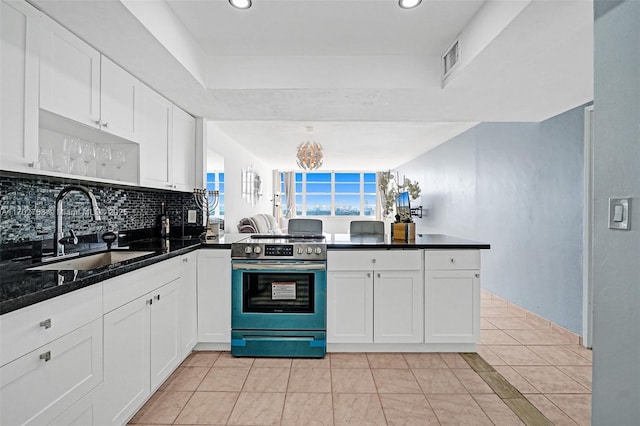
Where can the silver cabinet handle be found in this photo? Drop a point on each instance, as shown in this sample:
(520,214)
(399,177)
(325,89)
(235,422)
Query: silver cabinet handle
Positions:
(46,323)
(45,356)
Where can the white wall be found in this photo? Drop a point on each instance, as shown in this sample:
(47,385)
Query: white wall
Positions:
(237,158)
(616,269)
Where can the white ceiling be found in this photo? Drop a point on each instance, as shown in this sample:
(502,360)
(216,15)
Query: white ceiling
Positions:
(365,74)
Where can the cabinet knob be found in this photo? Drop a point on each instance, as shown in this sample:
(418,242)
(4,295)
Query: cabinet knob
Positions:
(373,261)
(477,275)
(150,302)
(453,260)
(368,274)
(185,260)
(105,125)
(157,297)
(46,323)
(378,275)
(97,123)
(45,356)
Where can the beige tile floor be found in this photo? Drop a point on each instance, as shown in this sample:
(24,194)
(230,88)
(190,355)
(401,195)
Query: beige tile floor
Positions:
(545,364)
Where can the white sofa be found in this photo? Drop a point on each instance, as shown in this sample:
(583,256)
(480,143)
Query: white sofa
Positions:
(260,224)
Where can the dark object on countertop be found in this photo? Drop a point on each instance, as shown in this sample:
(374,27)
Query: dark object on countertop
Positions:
(163,222)
(109,237)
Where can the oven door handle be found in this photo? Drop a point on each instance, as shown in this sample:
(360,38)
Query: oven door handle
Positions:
(263,266)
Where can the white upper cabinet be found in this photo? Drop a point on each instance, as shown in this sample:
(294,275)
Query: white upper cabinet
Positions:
(69,75)
(183,150)
(155,124)
(19,68)
(119,101)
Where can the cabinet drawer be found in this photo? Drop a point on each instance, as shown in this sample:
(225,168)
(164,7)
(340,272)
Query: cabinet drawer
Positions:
(125,288)
(383,260)
(452,259)
(41,385)
(29,328)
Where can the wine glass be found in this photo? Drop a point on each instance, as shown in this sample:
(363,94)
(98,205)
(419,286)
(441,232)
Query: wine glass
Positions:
(119,159)
(73,147)
(88,152)
(60,161)
(45,158)
(104,157)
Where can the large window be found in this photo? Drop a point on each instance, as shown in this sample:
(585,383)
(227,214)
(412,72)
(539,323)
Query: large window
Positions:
(333,194)
(215,182)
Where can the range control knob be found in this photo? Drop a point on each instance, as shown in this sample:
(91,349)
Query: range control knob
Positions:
(300,250)
(257,250)
(247,250)
(309,250)
(318,250)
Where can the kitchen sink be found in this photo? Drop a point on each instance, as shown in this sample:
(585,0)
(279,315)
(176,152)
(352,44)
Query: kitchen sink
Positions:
(93,261)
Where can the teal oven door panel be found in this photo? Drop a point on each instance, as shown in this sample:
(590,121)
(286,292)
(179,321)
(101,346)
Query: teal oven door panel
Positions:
(288,344)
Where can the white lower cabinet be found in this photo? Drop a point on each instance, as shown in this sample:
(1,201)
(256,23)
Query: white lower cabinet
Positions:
(374,297)
(142,347)
(452,296)
(214,296)
(397,307)
(349,306)
(41,385)
(188,303)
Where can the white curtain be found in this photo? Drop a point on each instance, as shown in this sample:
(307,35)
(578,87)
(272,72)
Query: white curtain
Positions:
(277,197)
(380,198)
(290,192)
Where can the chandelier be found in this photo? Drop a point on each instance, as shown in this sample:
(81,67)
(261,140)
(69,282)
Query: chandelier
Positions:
(309,154)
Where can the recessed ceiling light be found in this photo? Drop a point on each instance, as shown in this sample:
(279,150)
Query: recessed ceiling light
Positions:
(409,4)
(241,4)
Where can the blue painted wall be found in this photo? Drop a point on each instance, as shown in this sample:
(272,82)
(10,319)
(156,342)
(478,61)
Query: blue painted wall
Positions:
(519,187)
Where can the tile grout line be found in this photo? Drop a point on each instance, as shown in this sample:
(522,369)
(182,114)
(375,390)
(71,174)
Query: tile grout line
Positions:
(519,404)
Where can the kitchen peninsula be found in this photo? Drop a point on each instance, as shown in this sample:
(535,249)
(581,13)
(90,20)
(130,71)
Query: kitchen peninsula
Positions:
(382,295)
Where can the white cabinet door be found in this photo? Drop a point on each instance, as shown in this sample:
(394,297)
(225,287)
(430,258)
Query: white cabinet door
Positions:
(165,333)
(39,386)
(349,307)
(69,75)
(19,67)
(452,306)
(155,143)
(398,307)
(188,303)
(183,148)
(119,101)
(126,361)
(214,296)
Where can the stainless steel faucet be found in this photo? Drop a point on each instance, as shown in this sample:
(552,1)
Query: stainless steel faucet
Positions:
(59,238)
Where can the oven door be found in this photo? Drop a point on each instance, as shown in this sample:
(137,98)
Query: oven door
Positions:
(278,295)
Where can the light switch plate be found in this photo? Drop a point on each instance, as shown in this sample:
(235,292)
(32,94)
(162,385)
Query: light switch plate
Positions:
(616,221)
(191,216)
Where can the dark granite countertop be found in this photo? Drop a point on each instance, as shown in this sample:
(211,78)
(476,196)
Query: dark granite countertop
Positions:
(20,287)
(422,241)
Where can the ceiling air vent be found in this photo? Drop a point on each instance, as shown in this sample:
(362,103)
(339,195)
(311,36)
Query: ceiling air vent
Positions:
(450,58)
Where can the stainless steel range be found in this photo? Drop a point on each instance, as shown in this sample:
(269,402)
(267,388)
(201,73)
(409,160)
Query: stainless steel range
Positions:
(279,287)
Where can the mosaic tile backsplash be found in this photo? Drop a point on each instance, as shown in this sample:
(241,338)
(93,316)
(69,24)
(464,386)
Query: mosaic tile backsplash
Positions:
(27,208)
